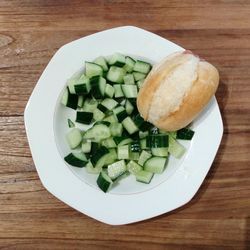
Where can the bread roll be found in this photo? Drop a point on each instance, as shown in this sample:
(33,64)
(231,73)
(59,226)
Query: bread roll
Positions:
(176,90)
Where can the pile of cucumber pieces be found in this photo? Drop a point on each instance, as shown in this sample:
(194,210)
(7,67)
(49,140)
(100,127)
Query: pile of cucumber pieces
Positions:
(120,141)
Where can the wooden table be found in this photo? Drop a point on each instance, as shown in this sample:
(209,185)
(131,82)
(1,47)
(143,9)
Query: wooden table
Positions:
(218,217)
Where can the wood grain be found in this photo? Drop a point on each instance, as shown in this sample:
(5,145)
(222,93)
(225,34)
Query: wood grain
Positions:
(218,217)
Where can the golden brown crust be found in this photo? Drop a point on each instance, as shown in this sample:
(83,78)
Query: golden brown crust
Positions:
(195,100)
(154,79)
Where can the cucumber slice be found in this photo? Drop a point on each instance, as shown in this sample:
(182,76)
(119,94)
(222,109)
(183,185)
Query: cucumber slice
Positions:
(93,69)
(111,119)
(69,100)
(84,117)
(117,59)
(155,165)
(117,169)
(144,176)
(144,156)
(97,133)
(116,74)
(76,159)
(74,137)
(98,85)
(120,140)
(111,157)
(139,76)
(129,64)
(109,90)
(90,105)
(123,152)
(142,67)
(118,90)
(91,170)
(80,101)
(109,143)
(175,148)
(86,147)
(102,62)
(130,91)
(129,125)
(129,107)
(109,103)
(143,143)
(143,134)
(120,113)
(163,152)
(98,115)
(104,182)
(185,134)
(134,156)
(116,129)
(102,108)
(82,86)
(99,154)
(129,79)
(71,124)
(133,167)
(140,83)
(157,141)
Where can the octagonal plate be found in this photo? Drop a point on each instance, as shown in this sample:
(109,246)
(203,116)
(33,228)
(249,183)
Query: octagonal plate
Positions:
(130,201)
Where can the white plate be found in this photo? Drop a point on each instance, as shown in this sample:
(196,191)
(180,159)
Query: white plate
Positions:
(130,201)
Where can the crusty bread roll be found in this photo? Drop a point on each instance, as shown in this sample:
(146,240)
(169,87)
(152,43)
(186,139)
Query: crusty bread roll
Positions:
(176,90)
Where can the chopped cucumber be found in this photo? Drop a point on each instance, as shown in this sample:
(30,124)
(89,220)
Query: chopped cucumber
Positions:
(123,152)
(93,69)
(144,176)
(80,101)
(129,64)
(133,167)
(116,129)
(120,140)
(84,117)
(144,156)
(71,124)
(129,125)
(90,105)
(118,90)
(160,151)
(86,147)
(109,143)
(109,103)
(104,182)
(74,138)
(117,59)
(97,133)
(129,79)
(102,62)
(175,148)
(155,165)
(142,67)
(109,90)
(116,74)
(117,169)
(139,76)
(76,159)
(185,134)
(129,107)
(69,100)
(130,91)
